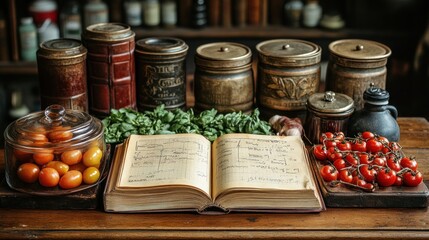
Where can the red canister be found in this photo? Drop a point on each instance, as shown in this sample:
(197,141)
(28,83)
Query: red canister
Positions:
(110,66)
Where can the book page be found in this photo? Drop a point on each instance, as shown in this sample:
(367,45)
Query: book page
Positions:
(153,160)
(259,161)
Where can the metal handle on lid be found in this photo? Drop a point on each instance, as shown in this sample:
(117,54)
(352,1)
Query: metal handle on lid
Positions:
(329,96)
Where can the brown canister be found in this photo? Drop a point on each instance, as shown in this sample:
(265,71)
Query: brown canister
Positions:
(223,77)
(110,64)
(327,112)
(161,73)
(61,65)
(288,73)
(353,65)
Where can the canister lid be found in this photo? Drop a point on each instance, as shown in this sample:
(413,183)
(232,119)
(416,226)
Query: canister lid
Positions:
(359,49)
(161,46)
(223,54)
(331,103)
(62,48)
(289,52)
(108,32)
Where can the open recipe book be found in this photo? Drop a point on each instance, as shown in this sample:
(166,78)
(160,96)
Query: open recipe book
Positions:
(237,172)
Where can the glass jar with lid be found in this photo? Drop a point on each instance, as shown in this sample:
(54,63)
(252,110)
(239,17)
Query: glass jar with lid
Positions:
(56,141)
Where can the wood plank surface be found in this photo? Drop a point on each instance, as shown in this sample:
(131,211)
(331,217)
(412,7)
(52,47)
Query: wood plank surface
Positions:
(334,223)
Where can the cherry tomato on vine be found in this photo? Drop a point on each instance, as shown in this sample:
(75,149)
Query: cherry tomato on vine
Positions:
(325,136)
(363,158)
(359,145)
(367,135)
(339,164)
(340,136)
(379,161)
(373,145)
(398,181)
(334,153)
(386,177)
(28,172)
(368,172)
(329,173)
(320,152)
(345,176)
(408,162)
(351,159)
(393,164)
(344,145)
(383,140)
(412,178)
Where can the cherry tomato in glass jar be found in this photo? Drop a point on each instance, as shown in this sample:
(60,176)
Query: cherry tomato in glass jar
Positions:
(49,177)
(92,157)
(28,172)
(22,155)
(42,158)
(71,157)
(61,167)
(91,175)
(71,179)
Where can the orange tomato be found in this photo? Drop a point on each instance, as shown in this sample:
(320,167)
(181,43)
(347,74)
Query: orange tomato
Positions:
(80,167)
(22,155)
(42,158)
(71,157)
(28,172)
(91,175)
(49,177)
(92,157)
(61,167)
(60,135)
(71,179)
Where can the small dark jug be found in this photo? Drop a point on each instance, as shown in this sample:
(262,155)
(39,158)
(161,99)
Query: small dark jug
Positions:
(376,116)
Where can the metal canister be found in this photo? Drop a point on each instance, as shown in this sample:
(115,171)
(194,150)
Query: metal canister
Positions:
(327,112)
(110,66)
(62,76)
(354,64)
(223,77)
(288,73)
(161,73)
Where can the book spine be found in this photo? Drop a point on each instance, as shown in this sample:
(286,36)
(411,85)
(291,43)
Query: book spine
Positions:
(254,12)
(214,12)
(226,13)
(264,13)
(276,8)
(185,9)
(240,12)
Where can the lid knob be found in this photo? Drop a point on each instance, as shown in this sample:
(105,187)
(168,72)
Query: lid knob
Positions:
(359,47)
(329,96)
(375,95)
(224,49)
(286,47)
(54,113)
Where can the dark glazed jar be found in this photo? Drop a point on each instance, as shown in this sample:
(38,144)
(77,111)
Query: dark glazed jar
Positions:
(288,73)
(161,73)
(224,77)
(376,116)
(327,112)
(110,66)
(353,65)
(61,65)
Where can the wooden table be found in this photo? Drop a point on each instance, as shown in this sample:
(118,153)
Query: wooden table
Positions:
(334,223)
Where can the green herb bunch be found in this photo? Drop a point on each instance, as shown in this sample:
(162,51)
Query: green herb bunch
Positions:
(123,122)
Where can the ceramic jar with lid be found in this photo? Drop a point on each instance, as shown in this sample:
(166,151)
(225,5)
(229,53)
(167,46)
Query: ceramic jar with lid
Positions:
(377,116)
(61,65)
(354,64)
(327,112)
(161,73)
(223,77)
(57,138)
(288,73)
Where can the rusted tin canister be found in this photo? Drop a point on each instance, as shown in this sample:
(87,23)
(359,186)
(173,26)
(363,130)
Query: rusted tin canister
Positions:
(110,66)
(327,112)
(354,64)
(288,73)
(61,65)
(223,77)
(161,73)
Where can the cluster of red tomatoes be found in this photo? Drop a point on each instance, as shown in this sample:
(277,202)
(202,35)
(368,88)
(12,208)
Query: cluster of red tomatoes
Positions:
(66,169)
(365,161)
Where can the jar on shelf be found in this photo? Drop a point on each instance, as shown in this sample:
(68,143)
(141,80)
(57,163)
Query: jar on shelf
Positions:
(223,77)
(95,11)
(47,31)
(168,13)
(151,13)
(311,13)
(376,116)
(41,10)
(133,12)
(71,24)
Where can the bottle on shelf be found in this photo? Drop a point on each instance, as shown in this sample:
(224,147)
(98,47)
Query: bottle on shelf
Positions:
(49,30)
(95,11)
(70,20)
(28,39)
(293,12)
(311,13)
(133,12)
(151,13)
(199,13)
(168,13)
(41,10)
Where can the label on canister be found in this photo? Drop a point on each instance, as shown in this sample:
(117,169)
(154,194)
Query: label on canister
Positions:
(62,74)
(161,73)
